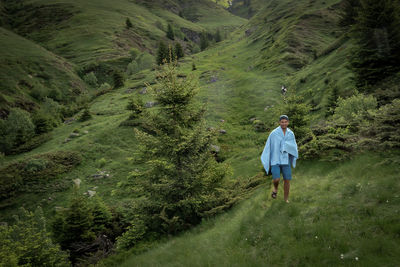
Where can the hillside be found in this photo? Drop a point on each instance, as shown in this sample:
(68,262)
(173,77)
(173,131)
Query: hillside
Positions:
(340,214)
(28,73)
(336,208)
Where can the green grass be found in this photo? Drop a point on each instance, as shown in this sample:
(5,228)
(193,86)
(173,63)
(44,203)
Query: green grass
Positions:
(25,66)
(349,208)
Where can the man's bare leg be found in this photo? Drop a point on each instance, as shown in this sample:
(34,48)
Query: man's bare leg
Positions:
(286,188)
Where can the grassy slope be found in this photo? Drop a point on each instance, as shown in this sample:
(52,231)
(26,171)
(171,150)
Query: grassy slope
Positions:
(25,65)
(336,209)
(95,30)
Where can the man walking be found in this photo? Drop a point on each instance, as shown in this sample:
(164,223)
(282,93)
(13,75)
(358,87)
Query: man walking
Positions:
(279,153)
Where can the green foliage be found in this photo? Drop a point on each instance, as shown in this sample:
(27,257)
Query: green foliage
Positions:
(118,79)
(134,52)
(32,143)
(355,110)
(164,54)
(17,129)
(181,179)
(27,242)
(179,51)
(132,68)
(204,43)
(20,176)
(386,126)
(377,35)
(332,99)
(136,105)
(77,226)
(348,12)
(217,36)
(105,86)
(170,32)
(133,234)
(128,23)
(91,79)
(86,115)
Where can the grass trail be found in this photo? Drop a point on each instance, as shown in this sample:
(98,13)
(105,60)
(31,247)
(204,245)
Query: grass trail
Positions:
(340,214)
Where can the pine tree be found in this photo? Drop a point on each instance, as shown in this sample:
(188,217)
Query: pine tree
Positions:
(377,33)
(128,23)
(180,179)
(349,12)
(217,36)
(170,32)
(332,100)
(162,53)
(118,79)
(179,51)
(203,41)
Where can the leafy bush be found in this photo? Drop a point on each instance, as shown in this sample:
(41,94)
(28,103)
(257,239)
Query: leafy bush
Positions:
(15,130)
(38,169)
(27,242)
(90,79)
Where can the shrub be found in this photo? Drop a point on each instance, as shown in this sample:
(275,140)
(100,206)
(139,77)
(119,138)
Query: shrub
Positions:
(27,242)
(90,79)
(16,130)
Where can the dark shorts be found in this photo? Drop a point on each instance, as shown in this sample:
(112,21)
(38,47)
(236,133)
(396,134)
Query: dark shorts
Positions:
(285,169)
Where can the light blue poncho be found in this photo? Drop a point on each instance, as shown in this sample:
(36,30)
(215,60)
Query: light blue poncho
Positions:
(278,148)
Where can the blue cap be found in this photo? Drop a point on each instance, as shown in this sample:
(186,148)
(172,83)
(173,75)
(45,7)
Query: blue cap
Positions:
(283,117)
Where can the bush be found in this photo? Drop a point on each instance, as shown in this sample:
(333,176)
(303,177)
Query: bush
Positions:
(86,115)
(38,169)
(90,79)
(356,110)
(16,130)
(27,242)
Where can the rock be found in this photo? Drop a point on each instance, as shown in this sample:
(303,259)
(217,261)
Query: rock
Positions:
(67,140)
(215,148)
(222,131)
(143,91)
(100,175)
(85,131)
(222,120)
(150,104)
(91,193)
(70,120)
(253,119)
(50,198)
(129,91)
(77,182)
(73,135)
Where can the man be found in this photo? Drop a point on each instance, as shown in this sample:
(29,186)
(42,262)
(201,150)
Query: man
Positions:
(279,153)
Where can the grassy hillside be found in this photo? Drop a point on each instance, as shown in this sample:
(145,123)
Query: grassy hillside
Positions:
(29,72)
(85,31)
(340,214)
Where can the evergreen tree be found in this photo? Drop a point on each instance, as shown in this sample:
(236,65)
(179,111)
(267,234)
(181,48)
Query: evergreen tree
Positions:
(217,36)
(349,12)
(181,178)
(118,79)
(162,53)
(179,51)
(377,32)
(27,242)
(128,23)
(170,32)
(332,100)
(171,57)
(203,41)
(136,105)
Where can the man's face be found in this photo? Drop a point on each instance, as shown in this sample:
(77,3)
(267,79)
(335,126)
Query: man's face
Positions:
(284,123)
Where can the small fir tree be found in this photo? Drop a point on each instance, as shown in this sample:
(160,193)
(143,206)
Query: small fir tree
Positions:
(181,179)
(170,32)
(128,23)
(179,51)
